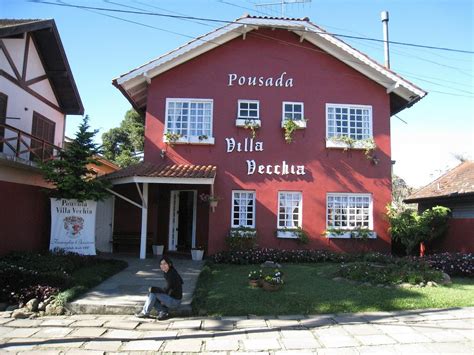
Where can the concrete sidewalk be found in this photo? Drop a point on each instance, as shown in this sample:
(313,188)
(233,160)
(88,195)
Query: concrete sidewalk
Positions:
(408,332)
(125,292)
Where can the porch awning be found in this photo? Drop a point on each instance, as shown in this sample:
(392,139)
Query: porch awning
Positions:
(164,174)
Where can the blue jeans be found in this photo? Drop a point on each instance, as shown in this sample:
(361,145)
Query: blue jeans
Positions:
(161,301)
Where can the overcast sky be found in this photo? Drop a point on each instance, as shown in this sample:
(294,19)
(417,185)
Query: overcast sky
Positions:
(103,45)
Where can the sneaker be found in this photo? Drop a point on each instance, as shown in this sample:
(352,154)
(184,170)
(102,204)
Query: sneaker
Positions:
(163,316)
(141,315)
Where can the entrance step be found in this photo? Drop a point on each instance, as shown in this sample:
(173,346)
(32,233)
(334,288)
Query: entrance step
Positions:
(125,293)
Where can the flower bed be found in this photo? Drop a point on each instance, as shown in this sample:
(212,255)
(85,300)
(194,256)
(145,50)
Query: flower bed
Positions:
(454,264)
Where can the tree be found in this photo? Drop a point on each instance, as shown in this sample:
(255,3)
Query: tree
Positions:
(69,173)
(124,145)
(400,191)
(411,228)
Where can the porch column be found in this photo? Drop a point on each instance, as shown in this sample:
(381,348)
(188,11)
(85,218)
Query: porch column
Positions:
(144,221)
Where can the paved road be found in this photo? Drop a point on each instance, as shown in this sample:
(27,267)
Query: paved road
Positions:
(410,332)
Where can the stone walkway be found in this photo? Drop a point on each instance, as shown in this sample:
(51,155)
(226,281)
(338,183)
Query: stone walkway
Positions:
(409,332)
(125,292)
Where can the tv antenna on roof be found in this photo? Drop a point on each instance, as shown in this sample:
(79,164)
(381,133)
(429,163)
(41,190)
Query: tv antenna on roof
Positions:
(283,4)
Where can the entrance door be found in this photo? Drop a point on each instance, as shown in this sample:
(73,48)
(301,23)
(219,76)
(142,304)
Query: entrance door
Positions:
(104,221)
(182,225)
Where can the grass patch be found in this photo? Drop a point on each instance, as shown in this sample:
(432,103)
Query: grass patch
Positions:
(223,290)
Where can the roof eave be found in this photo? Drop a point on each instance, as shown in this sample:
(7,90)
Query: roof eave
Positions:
(34,27)
(452,196)
(393,83)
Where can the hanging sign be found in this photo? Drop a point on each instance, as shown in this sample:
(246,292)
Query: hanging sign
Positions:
(73,226)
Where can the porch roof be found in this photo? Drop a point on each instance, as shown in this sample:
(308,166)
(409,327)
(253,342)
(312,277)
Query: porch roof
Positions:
(146,172)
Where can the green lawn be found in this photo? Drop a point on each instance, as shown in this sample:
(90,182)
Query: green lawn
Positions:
(309,289)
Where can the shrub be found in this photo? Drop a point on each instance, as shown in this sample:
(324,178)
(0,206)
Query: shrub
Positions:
(24,274)
(242,238)
(37,291)
(397,272)
(410,228)
(454,264)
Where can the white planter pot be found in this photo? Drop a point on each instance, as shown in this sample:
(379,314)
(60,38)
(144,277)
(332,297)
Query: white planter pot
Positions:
(157,249)
(197,254)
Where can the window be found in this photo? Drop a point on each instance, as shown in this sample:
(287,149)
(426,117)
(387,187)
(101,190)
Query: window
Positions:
(3,117)
(249,110)
(43,130)
(352,121)
(243,209)
(348,212)
(293,111)
(290,214)
(191,119)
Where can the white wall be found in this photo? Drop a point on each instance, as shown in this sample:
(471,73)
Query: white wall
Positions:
(21,104)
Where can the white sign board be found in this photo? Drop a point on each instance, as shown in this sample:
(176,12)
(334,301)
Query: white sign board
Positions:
(73,226)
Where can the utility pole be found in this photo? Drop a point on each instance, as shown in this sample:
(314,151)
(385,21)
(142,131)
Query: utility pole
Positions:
(384,17)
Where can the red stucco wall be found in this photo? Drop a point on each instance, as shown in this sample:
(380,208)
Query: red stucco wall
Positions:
(318,78)
(459,238)
(25,218)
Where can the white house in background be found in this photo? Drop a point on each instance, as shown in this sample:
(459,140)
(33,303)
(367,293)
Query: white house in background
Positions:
(37,91)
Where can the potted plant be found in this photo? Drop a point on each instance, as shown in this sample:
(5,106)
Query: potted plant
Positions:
(255,278)
(157,249)
(197,253)
(273,282)
(211,199)
(252,125)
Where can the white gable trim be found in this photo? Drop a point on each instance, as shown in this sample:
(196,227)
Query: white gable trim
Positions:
(305,29)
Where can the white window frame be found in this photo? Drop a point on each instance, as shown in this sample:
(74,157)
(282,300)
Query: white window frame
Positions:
(336,144)
(188,139)
(287,233)
(242,121)
(347,234)
(301,123)
(232,209)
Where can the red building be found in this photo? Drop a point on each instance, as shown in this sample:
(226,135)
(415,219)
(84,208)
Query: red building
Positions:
(454,190)
(201,101)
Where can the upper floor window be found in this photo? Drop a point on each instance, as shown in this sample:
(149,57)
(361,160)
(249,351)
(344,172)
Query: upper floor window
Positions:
(348,211)
(248,112)
(249,109)
(290,213)
(42,129)
(191,119)
(243,209)
(352,122)
(293,111)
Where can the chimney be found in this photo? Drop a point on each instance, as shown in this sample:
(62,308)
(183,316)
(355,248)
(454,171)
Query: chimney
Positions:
(384,17)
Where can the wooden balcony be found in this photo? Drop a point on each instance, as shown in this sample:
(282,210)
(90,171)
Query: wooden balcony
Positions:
(24,146)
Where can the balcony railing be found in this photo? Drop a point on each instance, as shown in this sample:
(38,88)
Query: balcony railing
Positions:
(15,142)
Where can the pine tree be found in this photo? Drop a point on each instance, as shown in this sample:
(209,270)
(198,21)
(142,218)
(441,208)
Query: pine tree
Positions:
(69,173)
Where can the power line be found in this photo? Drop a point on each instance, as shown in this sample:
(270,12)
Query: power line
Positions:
(259,35)
(233,22)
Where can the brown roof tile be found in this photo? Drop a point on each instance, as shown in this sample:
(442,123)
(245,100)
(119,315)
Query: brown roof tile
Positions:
(146,169)
(455,182)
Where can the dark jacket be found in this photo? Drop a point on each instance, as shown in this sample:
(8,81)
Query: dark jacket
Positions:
(174,284)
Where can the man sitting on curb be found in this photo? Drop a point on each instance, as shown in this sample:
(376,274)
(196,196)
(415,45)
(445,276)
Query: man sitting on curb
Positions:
(165,299)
